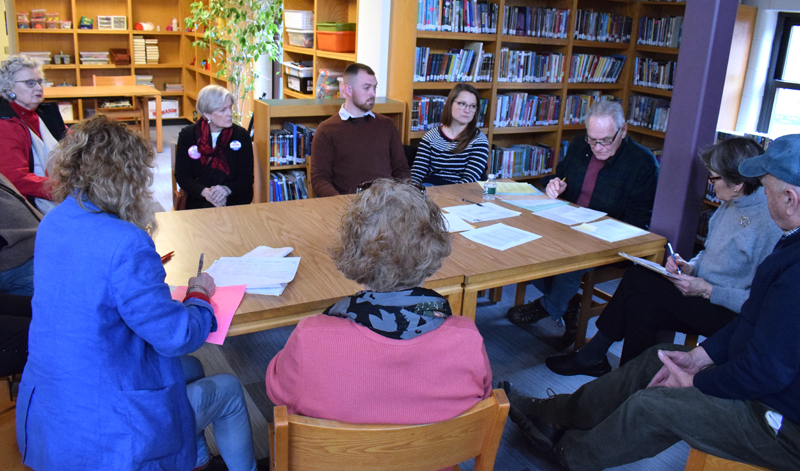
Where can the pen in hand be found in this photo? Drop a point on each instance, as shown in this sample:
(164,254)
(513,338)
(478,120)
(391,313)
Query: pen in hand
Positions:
(471,202)
(200,267)
(674,259)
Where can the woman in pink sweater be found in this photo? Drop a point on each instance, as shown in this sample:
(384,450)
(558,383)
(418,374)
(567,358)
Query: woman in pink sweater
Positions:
(394,353)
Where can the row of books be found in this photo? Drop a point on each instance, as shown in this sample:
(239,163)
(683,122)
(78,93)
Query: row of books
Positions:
(470,64)
(648,112)
(145,80)
(665,32)
(523,160)
(529,66)
(654,73)
(426,112)
(145,50)
(288,186)
(522,109)
(591,25)
(576,106)
(591,68)
(290,145)
(458,16)
(538,22)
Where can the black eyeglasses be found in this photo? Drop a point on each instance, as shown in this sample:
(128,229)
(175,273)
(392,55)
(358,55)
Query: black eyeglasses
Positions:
(603,142)
(366,185)
(31,83)
(465,105)
(713,180)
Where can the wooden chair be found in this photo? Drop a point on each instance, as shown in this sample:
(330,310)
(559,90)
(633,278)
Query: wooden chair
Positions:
(699,461)
(303,443)
(135,113)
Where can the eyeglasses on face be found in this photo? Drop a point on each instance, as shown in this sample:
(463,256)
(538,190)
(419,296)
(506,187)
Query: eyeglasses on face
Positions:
(366,185)
(465,105)
(602,142)
(31,83)
(713,180)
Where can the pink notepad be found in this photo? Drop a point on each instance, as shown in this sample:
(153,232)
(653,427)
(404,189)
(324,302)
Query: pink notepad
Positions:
(225,301)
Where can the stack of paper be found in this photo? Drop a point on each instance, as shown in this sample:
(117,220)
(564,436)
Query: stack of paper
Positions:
(151,48)
(481,212)
(514,188)
(535,204)
(263,270)
(570,215)
(139,50)
(145,80)
(610,230)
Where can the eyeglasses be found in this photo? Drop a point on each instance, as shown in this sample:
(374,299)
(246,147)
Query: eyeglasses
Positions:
(366,185)
(603,142)
(713,180)
(465,105)
(31,83)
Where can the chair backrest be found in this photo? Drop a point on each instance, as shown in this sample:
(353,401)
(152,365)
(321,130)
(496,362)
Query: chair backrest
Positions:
(303,443)
(113,80)
(700,461)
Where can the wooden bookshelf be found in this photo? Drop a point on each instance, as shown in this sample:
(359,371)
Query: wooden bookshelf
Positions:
(272,114)
(177,56)
(402,55)
(342,11)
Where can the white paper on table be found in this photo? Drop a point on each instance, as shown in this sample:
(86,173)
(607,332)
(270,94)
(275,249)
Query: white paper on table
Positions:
(274,290)
(514,188)
(255,272)
(570,215)
(264,251)
(500,236)
(455,223)
(610,230)
(535,204)
(482,212)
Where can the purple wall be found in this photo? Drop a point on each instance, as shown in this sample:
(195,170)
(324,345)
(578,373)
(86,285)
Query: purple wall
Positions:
(700,77)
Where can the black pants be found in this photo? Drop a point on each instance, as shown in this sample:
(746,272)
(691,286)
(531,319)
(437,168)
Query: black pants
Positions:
(646,302)
(15,320)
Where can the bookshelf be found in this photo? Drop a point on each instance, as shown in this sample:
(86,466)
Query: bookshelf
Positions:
(177,57)
(272,114)
(402,54)
(341,11)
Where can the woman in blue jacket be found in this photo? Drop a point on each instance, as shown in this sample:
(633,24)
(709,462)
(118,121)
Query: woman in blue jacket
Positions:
(104,386)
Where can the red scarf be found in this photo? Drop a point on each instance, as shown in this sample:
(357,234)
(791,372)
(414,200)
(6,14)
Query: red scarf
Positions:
(215,154)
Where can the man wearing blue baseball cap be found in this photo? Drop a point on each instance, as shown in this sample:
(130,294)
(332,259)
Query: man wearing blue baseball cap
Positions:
(737,395)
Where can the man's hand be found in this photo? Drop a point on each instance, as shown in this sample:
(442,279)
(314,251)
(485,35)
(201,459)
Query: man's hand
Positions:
(555,187)
(692,286)
(679,368)
(686,267)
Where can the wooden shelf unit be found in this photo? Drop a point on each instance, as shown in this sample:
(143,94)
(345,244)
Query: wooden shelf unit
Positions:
(342,11)
(175,50)
(402,54)
(272,114)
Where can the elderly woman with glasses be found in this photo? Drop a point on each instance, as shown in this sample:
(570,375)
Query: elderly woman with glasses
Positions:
(214,158)
(706,292)
(30,129)
(456,151)
(393,353)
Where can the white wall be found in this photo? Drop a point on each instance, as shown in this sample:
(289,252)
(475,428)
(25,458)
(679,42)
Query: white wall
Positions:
(757,66)
(373,38)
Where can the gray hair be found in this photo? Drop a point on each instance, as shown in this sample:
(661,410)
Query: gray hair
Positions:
(211,98)
(607,109)
(9,69)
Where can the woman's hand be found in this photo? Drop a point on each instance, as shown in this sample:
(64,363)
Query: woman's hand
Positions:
(205,281)
(692,286)
(555,187)
(686,267)
(216,195)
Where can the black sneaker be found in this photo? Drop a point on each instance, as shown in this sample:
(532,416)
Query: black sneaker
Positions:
(568,365)
(525,412)
(570,325)
(526,314)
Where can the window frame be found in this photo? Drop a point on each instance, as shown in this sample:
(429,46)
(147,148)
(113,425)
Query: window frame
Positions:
(777,62)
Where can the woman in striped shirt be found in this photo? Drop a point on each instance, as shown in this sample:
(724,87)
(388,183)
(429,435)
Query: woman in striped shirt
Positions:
(457,151)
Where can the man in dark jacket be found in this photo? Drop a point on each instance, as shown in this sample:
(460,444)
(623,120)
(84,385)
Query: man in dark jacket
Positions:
(737,395)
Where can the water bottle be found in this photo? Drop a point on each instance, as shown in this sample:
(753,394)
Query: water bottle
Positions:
(490,187)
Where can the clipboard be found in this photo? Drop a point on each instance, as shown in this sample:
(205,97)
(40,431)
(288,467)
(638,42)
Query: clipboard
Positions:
(652,266)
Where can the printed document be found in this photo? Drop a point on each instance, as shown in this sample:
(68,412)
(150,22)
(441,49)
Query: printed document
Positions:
(610,230)
(264,251)
(500,236)
(514,188)
(255,272)
(482,212)
(570,215)
(649,265)
(455,223)
(535,204)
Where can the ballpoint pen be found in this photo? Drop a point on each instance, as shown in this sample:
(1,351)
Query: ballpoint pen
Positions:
(471,202)
(674,259)
(200,267)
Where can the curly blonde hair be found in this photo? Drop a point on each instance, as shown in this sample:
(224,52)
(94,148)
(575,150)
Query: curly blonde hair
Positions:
(391,238)
(108,164)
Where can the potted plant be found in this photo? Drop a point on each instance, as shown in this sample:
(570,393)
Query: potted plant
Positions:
(238,32)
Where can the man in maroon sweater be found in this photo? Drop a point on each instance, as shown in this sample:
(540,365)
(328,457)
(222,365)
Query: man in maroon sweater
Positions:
(356,145)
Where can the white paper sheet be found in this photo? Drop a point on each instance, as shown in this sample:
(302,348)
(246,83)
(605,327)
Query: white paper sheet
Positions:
(484,212)
(570,215)
(455,223)
(264,251)
(535,204)
(500,236)
(648,264)
(514,188)
(610,230)
(255,272)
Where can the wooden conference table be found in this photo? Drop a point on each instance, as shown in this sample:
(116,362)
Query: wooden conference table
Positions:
(310,225)
(141,92)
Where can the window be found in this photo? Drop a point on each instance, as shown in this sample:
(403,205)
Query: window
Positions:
(780,110)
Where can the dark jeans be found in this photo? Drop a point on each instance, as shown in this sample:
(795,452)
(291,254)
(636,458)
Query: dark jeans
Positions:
(646,302)
(614,420)
(15,320)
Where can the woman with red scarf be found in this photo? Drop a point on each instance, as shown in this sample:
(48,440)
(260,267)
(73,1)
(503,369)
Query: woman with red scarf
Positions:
(214,160)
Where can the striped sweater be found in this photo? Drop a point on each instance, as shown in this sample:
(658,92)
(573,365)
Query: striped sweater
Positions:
(434,158)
